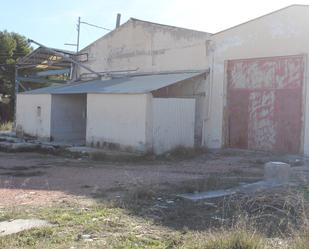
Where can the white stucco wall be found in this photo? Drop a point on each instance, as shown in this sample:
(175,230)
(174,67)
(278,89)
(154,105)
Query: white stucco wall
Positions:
(68,117)
(284,32)
(149,47)
(139,122)
(118,119)
(30,119)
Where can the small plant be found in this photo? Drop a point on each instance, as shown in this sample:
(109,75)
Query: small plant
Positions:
(6,126)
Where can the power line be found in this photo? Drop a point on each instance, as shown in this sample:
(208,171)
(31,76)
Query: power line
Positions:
(79,22)
(96,26)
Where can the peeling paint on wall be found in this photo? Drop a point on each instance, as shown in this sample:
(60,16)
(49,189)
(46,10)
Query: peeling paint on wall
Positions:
(265,103)
(149,47)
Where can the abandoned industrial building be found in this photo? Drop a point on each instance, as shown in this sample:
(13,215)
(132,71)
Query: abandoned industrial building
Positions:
(154,87)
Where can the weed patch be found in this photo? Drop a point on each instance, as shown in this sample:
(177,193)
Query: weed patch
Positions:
(7,126)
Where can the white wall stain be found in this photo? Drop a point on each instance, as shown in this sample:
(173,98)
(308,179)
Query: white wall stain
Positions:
(283,28)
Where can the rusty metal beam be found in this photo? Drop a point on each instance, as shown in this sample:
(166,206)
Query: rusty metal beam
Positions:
(65,56)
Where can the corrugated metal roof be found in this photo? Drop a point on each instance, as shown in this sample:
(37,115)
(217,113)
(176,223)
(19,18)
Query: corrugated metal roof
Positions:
(135,84)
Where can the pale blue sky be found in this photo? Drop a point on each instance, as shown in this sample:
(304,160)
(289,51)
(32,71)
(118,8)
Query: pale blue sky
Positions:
(53,22)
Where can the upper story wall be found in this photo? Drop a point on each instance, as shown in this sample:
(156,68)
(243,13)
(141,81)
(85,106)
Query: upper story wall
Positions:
(282,32)
(149,47)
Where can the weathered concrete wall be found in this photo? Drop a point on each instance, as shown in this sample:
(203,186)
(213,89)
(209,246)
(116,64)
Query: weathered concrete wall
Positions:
(193,88)
(149,47)
(281,33)
(33,115)
(117,120)
(68,117)
(138,122)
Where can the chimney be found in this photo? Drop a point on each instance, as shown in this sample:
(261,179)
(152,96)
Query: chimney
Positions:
(118,20)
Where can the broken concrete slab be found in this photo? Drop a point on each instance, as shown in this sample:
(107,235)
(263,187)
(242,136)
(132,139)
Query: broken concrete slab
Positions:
(244,188)
(10,139)
(7,146)
(8,133)
(19,225)
(207,195)
(276,174)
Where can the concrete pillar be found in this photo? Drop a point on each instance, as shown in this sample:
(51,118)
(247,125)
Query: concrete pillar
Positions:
(277,171)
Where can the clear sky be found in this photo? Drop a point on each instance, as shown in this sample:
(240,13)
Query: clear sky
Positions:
(53,22)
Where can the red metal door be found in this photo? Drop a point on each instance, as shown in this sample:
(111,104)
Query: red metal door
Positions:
(265,103)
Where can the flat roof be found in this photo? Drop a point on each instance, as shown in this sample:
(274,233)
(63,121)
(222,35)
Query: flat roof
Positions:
(128,84)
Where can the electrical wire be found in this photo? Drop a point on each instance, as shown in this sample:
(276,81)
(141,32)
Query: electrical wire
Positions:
(96,26)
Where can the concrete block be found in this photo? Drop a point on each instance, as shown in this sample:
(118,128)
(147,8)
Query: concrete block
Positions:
(19,225)
(277,171)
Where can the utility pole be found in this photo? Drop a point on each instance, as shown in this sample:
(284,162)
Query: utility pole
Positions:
(16,92)
(79,22)
(78,32)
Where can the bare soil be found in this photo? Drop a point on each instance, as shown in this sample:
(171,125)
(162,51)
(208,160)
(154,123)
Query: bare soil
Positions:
(134,203)
(39,179)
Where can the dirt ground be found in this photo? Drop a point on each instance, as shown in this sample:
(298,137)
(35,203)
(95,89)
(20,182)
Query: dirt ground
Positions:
(39,179)
(125,203)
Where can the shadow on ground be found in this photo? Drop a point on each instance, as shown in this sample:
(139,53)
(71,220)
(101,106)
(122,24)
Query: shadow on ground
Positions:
(145,189)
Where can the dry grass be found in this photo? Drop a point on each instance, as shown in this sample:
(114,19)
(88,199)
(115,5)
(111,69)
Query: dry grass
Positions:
(112,227)
(7,126)
(238,238)
(278,213)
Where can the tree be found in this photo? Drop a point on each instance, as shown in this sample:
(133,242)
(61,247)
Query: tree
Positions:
(12,47)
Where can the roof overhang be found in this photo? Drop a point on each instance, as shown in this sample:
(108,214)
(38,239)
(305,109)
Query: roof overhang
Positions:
(122,85)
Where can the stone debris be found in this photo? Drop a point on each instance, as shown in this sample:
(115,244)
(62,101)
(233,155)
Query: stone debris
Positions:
(10,143)
(9,146)
(19,225)
(47,147)
(7,134)
(160,206)
(10,139)
(83,149)
(85,236)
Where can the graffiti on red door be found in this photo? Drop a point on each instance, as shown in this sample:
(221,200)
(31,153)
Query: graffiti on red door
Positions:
(265,103)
